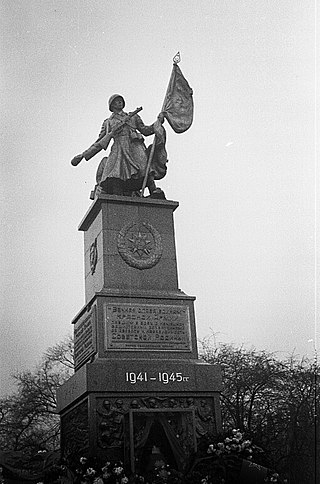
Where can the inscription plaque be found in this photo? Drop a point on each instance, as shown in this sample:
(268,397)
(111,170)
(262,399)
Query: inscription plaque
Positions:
(84,340)
(147,327)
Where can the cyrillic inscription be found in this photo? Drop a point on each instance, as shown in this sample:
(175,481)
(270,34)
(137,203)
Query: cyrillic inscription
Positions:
(147,327)
(84,345)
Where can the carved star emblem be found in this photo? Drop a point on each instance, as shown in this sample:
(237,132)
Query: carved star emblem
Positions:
(140,244)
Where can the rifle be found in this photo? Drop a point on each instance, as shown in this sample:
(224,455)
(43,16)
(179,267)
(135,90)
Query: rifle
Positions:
(105,140)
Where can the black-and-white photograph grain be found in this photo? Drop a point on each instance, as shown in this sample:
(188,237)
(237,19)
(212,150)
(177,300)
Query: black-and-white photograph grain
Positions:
(159,320)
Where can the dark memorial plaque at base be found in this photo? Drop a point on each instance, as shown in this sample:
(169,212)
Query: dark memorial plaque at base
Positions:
(138,384)
(148,327)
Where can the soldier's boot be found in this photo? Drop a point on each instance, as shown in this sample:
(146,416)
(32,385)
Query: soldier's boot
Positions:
(154,191)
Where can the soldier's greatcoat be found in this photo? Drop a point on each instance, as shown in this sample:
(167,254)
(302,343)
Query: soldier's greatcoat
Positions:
(128,156)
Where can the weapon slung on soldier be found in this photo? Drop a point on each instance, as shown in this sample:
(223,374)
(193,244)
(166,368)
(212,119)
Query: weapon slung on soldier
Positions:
(104,140)
(128,116)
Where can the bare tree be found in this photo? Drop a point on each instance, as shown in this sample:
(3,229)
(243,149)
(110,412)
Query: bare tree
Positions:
(28,418)
(274,402)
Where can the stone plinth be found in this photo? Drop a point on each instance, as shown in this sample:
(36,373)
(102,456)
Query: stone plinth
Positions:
(138,379)
(129,245)
(145,326)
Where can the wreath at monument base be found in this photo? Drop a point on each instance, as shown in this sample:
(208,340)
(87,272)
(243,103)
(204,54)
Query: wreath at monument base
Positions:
(206,470)
(228,461)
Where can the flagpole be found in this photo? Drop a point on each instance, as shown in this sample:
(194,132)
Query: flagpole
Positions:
(176,59)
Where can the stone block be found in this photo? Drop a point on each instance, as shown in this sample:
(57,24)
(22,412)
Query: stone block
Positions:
(136,358)
(118,214)
(135,245)
(140,377)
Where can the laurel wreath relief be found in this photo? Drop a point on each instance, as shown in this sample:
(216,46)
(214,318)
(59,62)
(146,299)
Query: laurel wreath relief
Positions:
(136,248)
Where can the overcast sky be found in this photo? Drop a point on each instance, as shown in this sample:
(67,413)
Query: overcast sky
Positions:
(244,173)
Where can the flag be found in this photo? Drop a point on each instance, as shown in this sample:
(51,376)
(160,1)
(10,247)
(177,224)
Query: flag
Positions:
(178,103)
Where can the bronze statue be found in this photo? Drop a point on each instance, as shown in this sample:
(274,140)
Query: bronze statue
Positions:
(123,171)
(130,166)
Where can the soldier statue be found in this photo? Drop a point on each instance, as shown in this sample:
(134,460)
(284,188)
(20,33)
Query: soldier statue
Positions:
(123,171)
(130,166)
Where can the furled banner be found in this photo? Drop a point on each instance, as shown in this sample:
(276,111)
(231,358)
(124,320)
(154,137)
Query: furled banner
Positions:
(178,103)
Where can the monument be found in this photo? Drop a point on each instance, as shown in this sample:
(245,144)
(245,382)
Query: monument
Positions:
(139,392)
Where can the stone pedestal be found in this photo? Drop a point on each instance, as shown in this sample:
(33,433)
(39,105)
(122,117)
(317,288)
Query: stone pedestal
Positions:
(138,381)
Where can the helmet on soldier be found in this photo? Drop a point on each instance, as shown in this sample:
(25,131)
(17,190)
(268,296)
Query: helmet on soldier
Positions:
(113,98)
